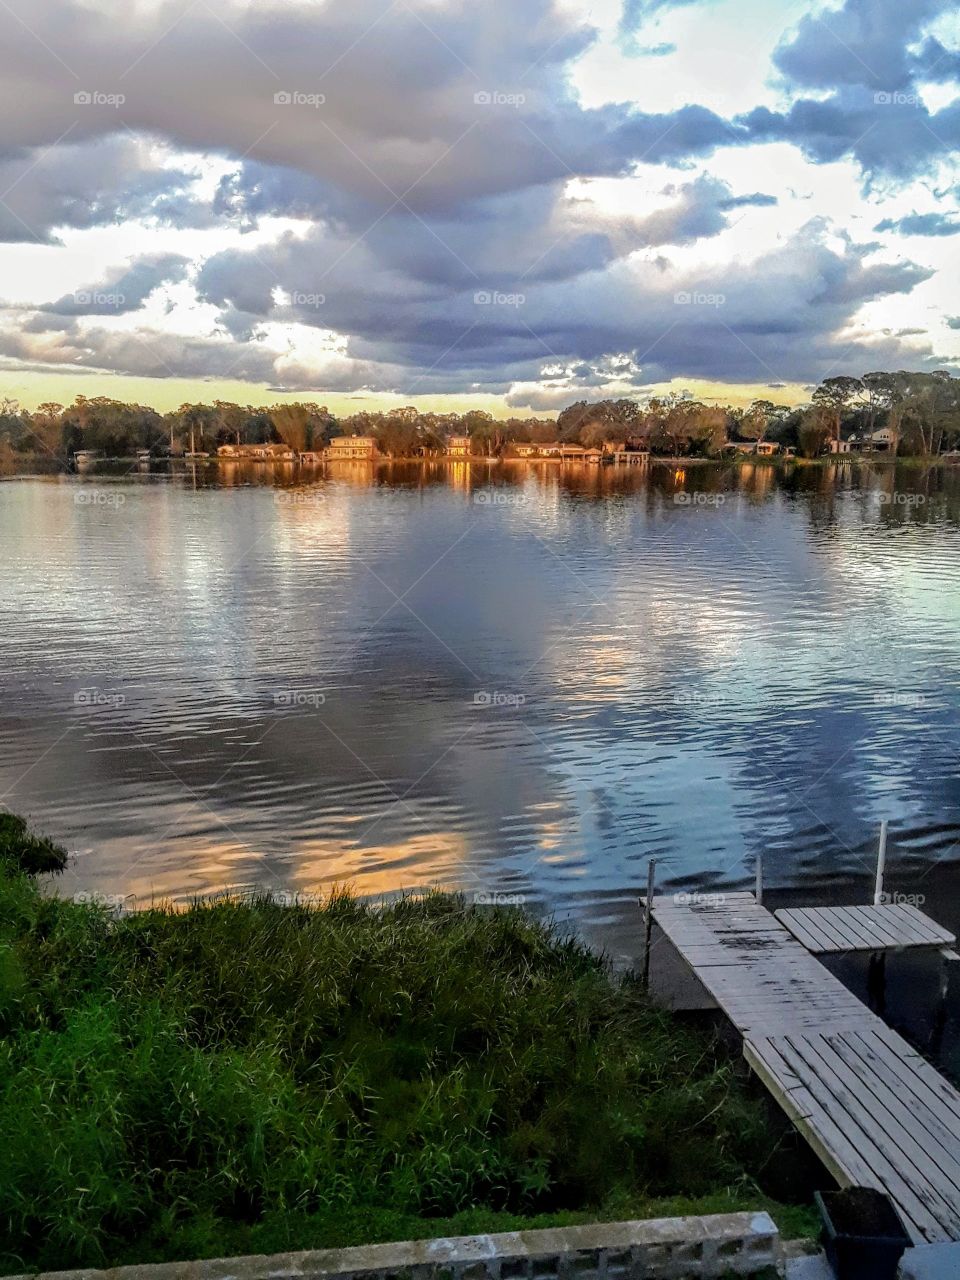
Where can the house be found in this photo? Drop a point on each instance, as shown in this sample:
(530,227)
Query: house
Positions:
(767,448)
(840,446)
(631,456)
(572,452)
(741,446)
(884,440)
(352,449)
(524,449)
(458,447)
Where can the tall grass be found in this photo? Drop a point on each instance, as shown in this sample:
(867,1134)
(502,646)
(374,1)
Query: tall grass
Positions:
(171,1079)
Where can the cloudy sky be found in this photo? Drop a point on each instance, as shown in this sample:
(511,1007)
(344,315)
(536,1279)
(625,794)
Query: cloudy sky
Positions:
(452,203)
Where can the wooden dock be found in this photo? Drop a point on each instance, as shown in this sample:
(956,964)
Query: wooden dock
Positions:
(875,1112)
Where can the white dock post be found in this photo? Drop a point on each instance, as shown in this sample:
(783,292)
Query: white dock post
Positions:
(881,865)
(758,893)
(648,922)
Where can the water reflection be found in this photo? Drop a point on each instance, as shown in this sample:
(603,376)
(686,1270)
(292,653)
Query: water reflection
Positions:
(499,677)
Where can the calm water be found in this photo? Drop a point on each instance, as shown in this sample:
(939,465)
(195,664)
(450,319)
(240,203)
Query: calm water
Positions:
(501,679)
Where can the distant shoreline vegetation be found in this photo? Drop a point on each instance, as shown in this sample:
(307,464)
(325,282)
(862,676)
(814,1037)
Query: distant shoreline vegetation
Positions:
(898,414)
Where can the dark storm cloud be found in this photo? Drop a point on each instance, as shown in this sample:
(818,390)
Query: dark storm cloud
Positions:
(777,319)
(863,56)
(97,183)
(122,290)
(437,105)
(426,151)
(921,224)
(863,42)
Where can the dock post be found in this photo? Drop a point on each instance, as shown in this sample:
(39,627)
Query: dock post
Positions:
(881,865)
(758,893)
(648,922)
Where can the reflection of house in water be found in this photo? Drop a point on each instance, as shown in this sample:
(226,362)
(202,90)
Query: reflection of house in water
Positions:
(460,475)
(458,447)
(352,449)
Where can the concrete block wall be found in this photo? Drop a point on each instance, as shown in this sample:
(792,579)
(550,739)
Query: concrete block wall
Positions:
(695,1248)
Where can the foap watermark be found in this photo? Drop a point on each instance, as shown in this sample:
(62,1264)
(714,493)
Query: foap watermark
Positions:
(697,498)
(499,498)
(97,98)
(903,899)
(896,98)
(900,499)
(697,899)
(93,697)
(496,698)
(95,298)
(685,298)
(900,699)
(499,899)
(96,898)
(299,497)
(692,698)
(98,498)
(498,98)
(493,298)
(299,698)
(296,98)
(298,299)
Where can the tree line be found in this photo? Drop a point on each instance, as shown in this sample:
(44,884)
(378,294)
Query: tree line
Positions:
(921,409)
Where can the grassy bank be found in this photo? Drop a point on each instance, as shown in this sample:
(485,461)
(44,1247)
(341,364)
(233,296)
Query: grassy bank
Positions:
(251,1077)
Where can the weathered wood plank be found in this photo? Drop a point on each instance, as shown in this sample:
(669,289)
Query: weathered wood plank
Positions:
(891,926)
(872,1108)
(860,1128)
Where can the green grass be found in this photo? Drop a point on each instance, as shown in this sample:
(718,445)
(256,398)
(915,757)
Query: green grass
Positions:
(250,1077)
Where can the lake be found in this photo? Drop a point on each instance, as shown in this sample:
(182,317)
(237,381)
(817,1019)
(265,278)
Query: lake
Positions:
(509,679)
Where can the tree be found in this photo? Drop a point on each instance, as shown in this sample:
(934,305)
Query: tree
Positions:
(292,424)
(760,418)
(835,394)
(815,429)
(231,419)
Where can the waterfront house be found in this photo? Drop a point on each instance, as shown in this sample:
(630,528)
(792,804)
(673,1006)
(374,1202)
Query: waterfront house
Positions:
(572,452)
(767,448)
(352,449)
(840,446)
(458,447)
(524,449)
(884,440)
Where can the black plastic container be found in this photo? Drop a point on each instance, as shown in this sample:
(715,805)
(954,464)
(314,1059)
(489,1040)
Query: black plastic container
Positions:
(863,1236)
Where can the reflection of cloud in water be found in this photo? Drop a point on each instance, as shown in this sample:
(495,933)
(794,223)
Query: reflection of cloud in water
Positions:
(699,683)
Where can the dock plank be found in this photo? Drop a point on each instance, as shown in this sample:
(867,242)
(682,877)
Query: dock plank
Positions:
(888,927)
(875,1112)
